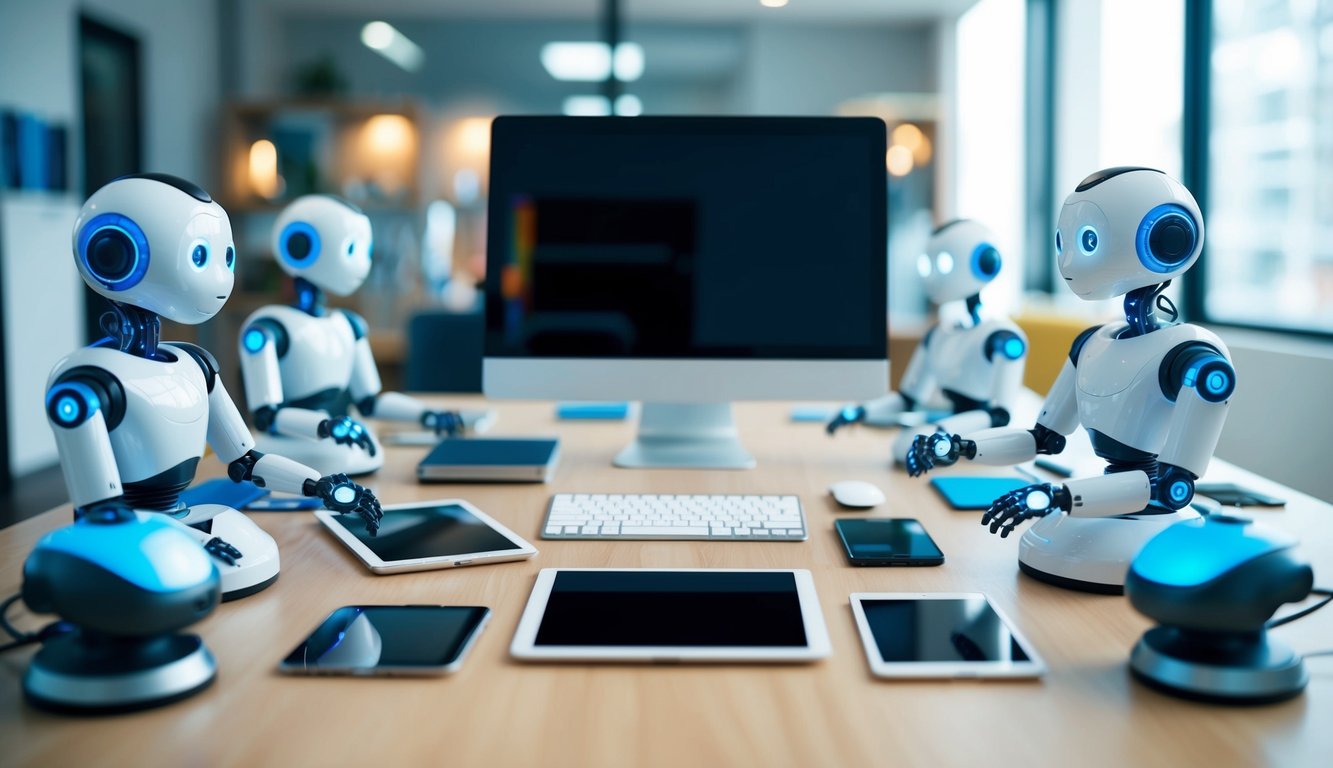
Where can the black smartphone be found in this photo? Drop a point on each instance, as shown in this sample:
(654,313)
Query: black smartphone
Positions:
(372,640)
(1237,495)
(887,541)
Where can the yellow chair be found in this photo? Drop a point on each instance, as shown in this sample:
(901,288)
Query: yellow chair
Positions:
(1049,337)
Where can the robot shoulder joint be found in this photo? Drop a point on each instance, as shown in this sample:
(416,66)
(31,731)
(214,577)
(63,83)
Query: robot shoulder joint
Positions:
(358,323)
(1076,348)
(263,332)
(1006,344)
(205,360)
(83,391)
(1197,365)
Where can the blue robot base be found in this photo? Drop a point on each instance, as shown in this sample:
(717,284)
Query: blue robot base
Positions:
(1090,554)
(83,673)
(1226,669)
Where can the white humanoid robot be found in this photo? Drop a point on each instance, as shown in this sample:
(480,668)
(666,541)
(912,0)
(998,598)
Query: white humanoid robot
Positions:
(304,365)
(1152,397)
(977,364)
(131,415)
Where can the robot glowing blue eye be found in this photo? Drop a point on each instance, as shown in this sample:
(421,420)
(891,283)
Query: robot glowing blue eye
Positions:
(344,495)
(944,262)
(199,256)
(231,258)
(1039,500)
(1059,244)
(1087,240)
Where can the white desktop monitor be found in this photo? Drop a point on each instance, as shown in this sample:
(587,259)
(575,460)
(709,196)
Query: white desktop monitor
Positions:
(686,262)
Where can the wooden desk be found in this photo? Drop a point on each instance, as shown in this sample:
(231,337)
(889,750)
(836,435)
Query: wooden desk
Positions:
(497,712)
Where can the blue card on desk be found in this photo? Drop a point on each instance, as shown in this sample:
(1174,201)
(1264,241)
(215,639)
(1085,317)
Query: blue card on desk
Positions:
(491,459)
(976,492)
(599,411)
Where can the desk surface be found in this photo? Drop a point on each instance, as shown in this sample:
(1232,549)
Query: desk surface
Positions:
(497,711)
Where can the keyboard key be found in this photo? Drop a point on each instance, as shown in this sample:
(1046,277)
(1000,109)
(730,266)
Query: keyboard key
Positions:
(675,516)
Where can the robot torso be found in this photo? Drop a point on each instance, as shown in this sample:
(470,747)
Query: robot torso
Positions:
(959,360)
(315,363)
(1120,383)
(162,425)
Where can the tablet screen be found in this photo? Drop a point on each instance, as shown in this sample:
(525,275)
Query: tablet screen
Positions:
(432,530)
(963,629)
(672,608)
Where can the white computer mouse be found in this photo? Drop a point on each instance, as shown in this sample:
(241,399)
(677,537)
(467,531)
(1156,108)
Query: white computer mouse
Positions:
(857,494)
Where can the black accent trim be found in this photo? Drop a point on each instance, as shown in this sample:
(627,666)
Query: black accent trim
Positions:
(332,400)
(281,341)
(1105,174)
(264,417)
(366,405)
(962,403)
(946,225)
(1076,348)
(909,402)
(203,357)
(1171,373)
(999,417)
(358,323)
(237,594)
(1120,457)
(107,387)
(925,340)
(973,307)
(996,341)
(1048,441)
(309,297)
(243,468)
(163,490)
(1067,583)
(188,187)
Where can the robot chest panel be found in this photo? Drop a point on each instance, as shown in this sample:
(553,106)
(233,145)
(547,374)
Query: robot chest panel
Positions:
(166,411)
(958,359)
(320,354)
(1119,390)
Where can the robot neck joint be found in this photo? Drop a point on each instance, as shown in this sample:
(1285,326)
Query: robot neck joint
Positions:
(135,330)
(974,308)
(1139,309)
(309,297)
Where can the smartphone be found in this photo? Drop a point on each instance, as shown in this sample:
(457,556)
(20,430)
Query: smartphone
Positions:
(975,492)
(1237,495)
(887,541)
(388,640)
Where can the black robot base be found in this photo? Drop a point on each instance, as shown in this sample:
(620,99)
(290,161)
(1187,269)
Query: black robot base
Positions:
(82,673)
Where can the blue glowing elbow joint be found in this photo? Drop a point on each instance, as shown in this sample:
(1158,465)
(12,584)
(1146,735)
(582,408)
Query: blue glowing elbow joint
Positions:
(71,403)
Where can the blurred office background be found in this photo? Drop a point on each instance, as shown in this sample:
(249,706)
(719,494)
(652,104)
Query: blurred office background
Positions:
(995,110)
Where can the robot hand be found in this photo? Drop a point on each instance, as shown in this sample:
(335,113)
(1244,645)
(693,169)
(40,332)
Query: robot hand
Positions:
(852,414)
(1037,500)
(222,550)
(449,423)
(342,495)
(940,448)
(345,431)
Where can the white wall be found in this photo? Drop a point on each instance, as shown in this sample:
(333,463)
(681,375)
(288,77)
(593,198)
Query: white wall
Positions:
(39,62)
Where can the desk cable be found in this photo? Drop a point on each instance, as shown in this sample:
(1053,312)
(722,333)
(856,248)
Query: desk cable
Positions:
(28,638)
(1328,598)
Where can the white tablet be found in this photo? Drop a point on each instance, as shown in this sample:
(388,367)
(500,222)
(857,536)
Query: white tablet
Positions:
(599,614)
(428,534)
(944,634)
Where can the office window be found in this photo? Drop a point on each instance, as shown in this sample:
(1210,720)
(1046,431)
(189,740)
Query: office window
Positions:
(1270,164)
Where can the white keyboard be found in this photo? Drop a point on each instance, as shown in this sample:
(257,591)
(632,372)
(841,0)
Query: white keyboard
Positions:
(644,516)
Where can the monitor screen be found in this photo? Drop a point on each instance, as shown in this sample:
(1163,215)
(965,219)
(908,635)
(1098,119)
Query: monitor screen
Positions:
(675,238)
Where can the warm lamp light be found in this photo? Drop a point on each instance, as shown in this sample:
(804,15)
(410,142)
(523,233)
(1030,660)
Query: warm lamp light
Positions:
(264,179)
(899,160)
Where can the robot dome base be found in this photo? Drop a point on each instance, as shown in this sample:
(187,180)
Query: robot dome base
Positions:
(1090,554)
(325,456)
(1256,670)
(79,674)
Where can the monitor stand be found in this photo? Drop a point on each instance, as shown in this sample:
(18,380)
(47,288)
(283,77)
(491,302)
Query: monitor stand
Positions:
(686,436)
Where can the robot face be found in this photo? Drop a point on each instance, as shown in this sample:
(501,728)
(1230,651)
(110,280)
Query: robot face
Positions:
(157,242)
(960,259)
(1126,228)
(324,240)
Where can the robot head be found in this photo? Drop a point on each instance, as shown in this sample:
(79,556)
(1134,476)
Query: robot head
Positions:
(157,242)
(1126,228)
(325,240)
(960,259)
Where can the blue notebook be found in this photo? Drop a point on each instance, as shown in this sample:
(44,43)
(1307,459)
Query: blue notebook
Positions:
(491,459)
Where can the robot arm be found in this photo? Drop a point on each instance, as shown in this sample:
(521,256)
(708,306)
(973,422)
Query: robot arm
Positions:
(234,444)
(1201,380)
(80,405)
(366,390)
(262,344)
(916,386)
(1005,445)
